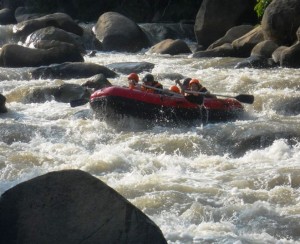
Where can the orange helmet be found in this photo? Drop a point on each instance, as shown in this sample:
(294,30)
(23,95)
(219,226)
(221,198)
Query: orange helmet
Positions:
(174,89)
(194,81)
(133,76)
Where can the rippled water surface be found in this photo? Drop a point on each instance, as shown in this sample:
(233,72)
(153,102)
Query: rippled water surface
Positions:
(234,182)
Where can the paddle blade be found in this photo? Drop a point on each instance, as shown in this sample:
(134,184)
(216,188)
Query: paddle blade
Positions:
(195,99)
(245,98)
(78,102)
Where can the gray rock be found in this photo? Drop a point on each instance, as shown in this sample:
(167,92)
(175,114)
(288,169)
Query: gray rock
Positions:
(72,206)
(247,42)
(7,17)
(232,34)
(119,33)
(62,93)
(171,47)
(281,20)
(258,62)
(215,17)
(264,48)
(276,55)
(225,50)
(3,108)
(52,33)
(12,55)
(71,70)
(131,67)
(59,20)
(290,57)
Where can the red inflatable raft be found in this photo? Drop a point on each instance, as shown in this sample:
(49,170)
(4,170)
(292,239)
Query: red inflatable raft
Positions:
(113,102)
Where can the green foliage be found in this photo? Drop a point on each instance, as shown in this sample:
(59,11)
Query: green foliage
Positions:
(261,6)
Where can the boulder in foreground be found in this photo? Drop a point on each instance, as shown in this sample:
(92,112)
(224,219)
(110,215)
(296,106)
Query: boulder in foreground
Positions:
(72,206)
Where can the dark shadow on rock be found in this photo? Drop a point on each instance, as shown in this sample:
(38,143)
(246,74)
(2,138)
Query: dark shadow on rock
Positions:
(70,207)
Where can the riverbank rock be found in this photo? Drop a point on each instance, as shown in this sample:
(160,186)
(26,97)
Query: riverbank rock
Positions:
(58,20)
(281,20)
(61,93)
(290,57)
(73,70)
(97,82)
(231,35)
(3,108)
(264,48)
(118,33)
(7,17)
(247,42)
(171,47)
(131,67)
(215,17)
(256,62)
(54,34)
(225,50)
(276,55)
(12,55)
(72,206)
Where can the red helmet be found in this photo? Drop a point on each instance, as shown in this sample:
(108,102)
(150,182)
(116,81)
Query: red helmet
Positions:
(133,76)
(194,81)
(174,89)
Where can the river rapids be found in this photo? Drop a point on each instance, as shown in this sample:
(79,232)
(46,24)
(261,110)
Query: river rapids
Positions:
(233,182)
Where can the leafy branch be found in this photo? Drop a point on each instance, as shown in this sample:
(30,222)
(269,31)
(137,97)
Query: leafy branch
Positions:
(261,6)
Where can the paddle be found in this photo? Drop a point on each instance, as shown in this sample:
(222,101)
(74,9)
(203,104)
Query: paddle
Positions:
(243,98)
(78,102)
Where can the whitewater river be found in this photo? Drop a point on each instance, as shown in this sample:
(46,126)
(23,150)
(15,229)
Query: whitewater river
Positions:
(234,182)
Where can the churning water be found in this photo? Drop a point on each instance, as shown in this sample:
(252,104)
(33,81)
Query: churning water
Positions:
(233,182)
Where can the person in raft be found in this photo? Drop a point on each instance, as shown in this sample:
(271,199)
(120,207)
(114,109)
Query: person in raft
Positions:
(174,89)
(195,86)
(184,85)
(133,80)
(150,85)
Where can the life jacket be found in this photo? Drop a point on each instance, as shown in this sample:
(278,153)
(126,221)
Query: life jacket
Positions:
(155,84)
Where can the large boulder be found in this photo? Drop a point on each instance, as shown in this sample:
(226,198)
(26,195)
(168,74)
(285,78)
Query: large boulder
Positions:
(7,17)
(276,55)
(52,33)
(119,33)
(290,57)
(59,20)
(215,17)
(247,42)
(60,93)
(97,82)
(225,50)
(73,70)
(281,20)
(3,108)
(70,207)
(170,46)
(131,67)
(264,48)
(232,34)
(13,55)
